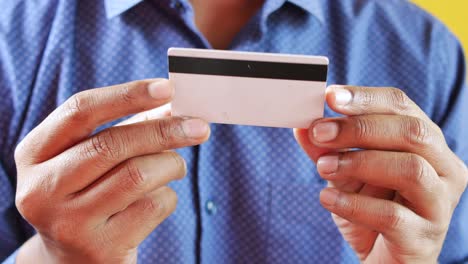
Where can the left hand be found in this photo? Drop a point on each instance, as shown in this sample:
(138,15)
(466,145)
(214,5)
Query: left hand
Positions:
(393,199)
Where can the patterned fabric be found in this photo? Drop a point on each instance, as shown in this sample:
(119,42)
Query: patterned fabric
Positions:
(251,194)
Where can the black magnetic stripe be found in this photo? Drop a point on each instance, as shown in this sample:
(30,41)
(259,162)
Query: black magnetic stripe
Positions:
(244,68)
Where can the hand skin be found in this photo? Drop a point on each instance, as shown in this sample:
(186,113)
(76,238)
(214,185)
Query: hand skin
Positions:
(94,198)
(393,199)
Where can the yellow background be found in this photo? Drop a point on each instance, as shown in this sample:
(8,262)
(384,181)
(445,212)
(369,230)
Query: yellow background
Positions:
(453,12)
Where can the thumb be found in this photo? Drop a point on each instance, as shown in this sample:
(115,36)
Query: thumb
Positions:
(314,152)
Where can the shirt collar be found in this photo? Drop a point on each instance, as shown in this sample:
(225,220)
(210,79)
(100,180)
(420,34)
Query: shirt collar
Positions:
(117,7)
(314,7)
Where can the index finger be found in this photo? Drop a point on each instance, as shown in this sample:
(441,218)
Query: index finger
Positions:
(82,113)
(359,100)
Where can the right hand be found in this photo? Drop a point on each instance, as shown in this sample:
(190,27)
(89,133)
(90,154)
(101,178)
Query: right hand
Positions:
(94,198)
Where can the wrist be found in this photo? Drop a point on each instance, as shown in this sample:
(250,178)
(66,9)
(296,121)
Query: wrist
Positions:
(36,250)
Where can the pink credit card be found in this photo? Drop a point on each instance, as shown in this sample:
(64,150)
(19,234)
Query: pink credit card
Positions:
(248,88)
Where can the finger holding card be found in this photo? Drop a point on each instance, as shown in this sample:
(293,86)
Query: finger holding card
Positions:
(405,177)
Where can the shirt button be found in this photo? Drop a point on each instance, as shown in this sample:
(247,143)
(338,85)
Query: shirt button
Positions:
(210,207)
(175,4)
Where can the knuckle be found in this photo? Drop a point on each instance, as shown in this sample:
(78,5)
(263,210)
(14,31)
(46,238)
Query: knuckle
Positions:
(179,163)
(79,106)
(35,201)
(153,205)
(27,204)
(417,170)
(164,133)
(399,100)
(419,175)
(20,152)
(127,92)
(434,231)
(351,206)
(65,233)
(28,151)
(392,218)
(366,98)
(104,144)
(163,204)
(35,207)
(365,128)
(359,160)
(134,175)
(418,132)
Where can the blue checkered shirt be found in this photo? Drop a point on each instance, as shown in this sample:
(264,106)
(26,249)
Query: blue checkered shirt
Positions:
(251,194)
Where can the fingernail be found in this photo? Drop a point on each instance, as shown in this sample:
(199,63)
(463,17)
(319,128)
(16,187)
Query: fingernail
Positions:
(325,132)
(160,90)
(329,196)
(195,128)
(342,96)
(328,164)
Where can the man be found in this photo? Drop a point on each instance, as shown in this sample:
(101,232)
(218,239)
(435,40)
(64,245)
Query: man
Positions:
(395,166)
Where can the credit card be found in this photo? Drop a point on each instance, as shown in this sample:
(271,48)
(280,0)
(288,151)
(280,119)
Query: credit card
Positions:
(248,88)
